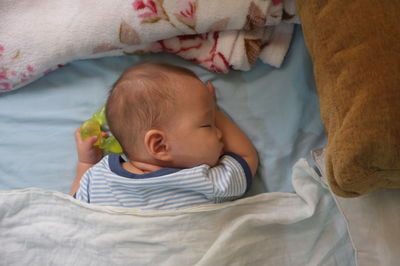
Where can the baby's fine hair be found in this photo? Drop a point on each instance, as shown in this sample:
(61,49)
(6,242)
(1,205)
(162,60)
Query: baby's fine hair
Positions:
(142,98)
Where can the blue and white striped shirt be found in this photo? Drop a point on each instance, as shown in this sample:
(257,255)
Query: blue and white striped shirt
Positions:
(109,184)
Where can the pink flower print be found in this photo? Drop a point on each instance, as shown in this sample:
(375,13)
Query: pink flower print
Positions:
(152,10)
(200,48)
(143,4)
(28,74)
(49,70)
(181,44)
(24,77)
(219,63)
(5,86)
(276,2)
(190,11)
(216,60)
(1,51)
(3,74)
(187,15)
(138,4)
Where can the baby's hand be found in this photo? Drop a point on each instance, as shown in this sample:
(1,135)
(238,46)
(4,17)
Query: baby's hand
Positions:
(87,153)
(211,90)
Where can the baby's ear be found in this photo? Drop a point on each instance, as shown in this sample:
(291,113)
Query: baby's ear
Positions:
(156,144)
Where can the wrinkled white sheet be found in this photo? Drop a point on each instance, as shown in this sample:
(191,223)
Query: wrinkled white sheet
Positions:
(374,226)
(40,227)
(373,222)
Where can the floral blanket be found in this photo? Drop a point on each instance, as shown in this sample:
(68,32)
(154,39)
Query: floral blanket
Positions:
(37,38)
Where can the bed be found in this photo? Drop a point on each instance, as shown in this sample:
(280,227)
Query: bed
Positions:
(294,214)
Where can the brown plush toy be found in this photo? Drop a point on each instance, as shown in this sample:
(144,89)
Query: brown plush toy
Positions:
(355,48)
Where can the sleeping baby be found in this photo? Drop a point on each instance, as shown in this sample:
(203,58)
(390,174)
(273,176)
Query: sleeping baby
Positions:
(180,150)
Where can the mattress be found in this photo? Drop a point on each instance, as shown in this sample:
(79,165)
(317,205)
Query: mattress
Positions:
(289,216)
(277,107)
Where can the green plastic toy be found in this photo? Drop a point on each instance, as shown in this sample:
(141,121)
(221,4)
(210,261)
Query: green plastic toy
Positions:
(94,126)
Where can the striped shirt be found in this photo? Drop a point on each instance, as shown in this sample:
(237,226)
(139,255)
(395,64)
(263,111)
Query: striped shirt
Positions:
(109,184)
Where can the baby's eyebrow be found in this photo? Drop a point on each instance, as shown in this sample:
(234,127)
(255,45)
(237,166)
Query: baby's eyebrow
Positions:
(207,114)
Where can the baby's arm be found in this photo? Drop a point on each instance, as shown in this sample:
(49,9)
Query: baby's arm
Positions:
(236,141)
(234,138)
(88,155)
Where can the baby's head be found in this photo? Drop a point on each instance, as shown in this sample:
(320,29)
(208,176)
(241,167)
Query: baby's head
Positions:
(164,115)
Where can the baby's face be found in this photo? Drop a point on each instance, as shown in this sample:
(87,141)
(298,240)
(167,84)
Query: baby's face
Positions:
(194,138)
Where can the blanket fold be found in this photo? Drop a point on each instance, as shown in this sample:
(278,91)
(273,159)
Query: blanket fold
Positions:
(217,34)
(51,228)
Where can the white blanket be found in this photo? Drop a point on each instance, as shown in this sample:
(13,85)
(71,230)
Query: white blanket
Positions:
(38,37)
(40,227)
(373,222)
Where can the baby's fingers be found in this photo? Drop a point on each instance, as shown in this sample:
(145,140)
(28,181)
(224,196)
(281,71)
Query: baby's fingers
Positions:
(89,141)
(77,135)
(104,134)
(211,89)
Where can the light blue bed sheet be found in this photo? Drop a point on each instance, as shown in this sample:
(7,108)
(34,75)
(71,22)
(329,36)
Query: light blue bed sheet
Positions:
(277,108)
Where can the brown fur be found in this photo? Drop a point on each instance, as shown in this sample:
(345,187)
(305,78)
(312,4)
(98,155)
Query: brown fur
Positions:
(355,49)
